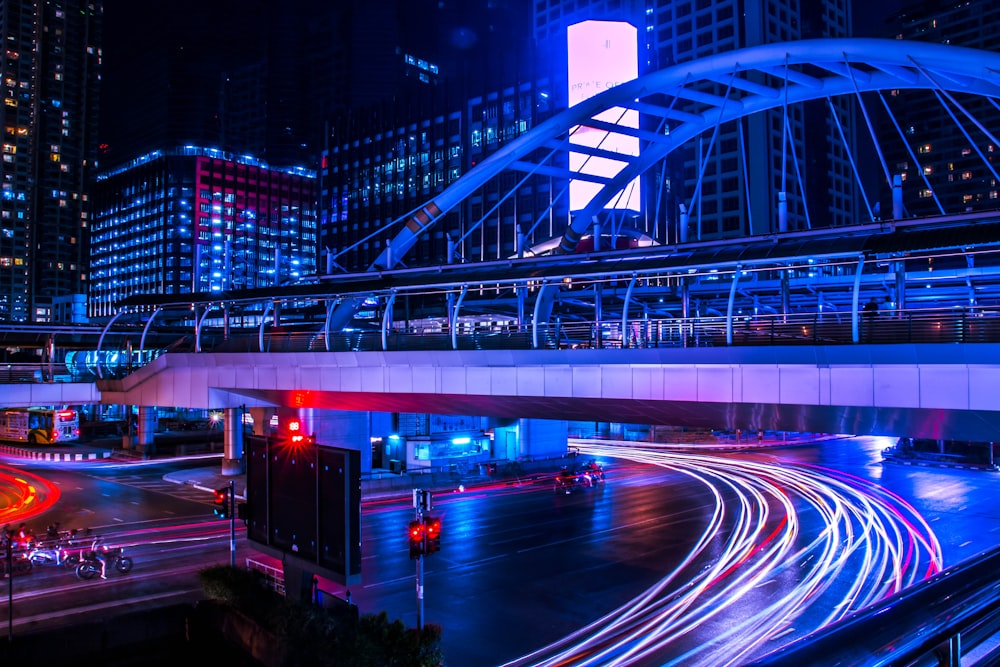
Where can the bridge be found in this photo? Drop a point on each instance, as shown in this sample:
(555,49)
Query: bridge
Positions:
(768,331)
(764,331)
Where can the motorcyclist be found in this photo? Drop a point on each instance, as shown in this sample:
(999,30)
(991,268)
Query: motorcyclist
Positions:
(99,549)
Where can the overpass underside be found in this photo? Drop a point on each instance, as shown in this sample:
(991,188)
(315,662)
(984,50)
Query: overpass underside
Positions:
(927,423)
(927,391)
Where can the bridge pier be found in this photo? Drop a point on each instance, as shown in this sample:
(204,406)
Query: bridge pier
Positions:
(145,442)
(232,456)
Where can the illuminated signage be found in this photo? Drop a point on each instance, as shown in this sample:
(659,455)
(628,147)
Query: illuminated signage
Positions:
(602,54)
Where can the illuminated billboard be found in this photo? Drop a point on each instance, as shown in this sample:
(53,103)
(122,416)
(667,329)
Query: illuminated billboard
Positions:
(602,54)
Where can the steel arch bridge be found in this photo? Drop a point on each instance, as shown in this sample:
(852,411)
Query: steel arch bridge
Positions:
(681,103)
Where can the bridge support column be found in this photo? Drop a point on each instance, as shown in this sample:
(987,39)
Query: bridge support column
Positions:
(539,438)
(261,419)
(232,457)
(146,430)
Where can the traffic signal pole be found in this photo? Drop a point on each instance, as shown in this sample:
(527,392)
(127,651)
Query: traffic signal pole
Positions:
(232,522)
(421,504)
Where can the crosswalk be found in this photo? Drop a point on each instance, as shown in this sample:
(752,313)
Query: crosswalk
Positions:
(160,485)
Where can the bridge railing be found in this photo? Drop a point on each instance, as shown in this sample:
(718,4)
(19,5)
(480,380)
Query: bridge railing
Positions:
(939,621)
(928,325)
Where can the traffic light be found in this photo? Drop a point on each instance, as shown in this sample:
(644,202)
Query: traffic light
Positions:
(432,528)
(296,433)
(221,502)
(416,535)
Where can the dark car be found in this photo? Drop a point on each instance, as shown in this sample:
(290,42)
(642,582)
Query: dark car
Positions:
(582,477)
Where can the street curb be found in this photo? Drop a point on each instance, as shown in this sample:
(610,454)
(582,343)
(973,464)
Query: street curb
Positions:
(52,456)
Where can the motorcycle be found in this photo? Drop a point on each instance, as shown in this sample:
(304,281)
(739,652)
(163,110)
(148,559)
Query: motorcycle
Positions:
(46,555)
(116,559)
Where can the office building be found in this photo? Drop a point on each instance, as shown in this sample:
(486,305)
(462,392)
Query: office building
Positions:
(739,194)
(51,65)
(945,162)
(199,220)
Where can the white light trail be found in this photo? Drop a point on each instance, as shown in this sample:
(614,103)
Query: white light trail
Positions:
(871,544)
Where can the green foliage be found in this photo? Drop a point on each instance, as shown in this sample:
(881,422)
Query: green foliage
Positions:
(312,635)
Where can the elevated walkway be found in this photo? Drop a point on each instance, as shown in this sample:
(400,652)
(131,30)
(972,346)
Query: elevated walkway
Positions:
(921,390)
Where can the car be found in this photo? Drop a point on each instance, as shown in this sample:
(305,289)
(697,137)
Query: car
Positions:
(582,477)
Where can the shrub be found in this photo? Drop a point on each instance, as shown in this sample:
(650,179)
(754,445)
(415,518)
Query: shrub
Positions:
(311,635)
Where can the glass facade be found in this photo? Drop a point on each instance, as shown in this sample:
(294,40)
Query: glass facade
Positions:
(199,220)
(945,163)
(374,178)
(50,63)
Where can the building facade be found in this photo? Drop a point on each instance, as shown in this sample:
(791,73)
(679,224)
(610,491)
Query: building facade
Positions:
(380,169)
(942,159)
(51,73)
(739,192)
(198,220)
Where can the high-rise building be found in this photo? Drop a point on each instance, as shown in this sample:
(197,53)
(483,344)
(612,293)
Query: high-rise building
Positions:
(51,74)
(676,31)
(381,167)
(945,163)
(198,220)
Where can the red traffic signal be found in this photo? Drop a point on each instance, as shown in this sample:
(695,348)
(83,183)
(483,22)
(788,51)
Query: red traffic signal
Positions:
(416,535)
(296,433)
(432,529)
(221,502)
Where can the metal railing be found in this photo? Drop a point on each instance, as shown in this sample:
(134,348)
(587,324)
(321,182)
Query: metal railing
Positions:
(888,327)
(919,326)
(940,621)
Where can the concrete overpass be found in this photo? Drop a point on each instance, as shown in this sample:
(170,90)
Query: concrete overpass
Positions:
(948,391)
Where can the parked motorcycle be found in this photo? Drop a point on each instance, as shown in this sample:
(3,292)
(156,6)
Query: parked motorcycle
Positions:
(116,559)
(46,555)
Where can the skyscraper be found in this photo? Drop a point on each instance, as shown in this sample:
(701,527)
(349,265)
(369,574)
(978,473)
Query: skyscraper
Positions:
(739,195)
(946,161)
(51,73)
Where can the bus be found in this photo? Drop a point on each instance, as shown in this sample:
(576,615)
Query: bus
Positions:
(39,426)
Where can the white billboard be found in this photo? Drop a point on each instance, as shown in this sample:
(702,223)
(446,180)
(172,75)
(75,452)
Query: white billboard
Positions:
(602,54)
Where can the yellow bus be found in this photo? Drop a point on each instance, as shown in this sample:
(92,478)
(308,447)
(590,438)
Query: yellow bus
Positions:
(39,426)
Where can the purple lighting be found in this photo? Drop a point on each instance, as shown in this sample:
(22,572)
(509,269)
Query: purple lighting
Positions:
(602,54)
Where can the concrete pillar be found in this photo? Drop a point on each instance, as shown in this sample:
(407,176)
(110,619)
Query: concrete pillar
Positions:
(232,457)
(146,430)
(346,429)
(261,419)
(782,211)
(539,438)
(897,197)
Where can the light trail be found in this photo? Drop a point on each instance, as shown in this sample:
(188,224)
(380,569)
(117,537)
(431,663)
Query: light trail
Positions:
(869,544)
(24,495)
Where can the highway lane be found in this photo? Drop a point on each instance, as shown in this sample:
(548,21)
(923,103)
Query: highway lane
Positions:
(661,553)
(522,568)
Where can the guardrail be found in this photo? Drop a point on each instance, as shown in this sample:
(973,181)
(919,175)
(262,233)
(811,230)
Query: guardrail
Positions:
(936,622)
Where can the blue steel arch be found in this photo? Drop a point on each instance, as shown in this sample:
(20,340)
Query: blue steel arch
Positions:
(753,79)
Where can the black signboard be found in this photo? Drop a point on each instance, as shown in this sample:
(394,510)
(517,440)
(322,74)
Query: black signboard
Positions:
(304,505)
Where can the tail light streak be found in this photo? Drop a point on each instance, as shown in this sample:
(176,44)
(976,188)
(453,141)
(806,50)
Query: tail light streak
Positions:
(872,544)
